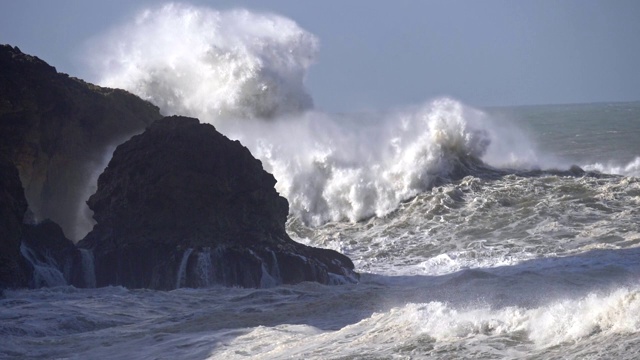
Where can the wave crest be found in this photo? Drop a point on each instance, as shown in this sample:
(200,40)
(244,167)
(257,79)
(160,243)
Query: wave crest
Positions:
(207,63)
(632,168)
(345,168)
(227,66)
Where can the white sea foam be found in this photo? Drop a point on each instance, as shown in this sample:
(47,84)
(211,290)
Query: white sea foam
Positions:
(235,69)
(504,268)
(630,169)
(435,328)
(549,325)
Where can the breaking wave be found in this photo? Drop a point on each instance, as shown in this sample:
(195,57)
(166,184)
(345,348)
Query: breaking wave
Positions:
(207,63)
(244,72)
(630,169)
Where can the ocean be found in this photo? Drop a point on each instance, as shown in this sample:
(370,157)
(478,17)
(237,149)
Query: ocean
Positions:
(479,233)
(518,264)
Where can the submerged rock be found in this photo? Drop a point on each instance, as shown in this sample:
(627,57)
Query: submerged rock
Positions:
(182,205)
(57,130)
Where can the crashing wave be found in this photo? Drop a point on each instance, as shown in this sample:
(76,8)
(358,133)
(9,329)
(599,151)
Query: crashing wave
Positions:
(207,63)
(235,69)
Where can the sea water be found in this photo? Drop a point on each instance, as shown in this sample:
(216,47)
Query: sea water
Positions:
(474,235)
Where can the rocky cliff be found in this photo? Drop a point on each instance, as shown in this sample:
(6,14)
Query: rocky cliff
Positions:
(32,255)
(182,205)
(59,132)
(14,271)
(179,205)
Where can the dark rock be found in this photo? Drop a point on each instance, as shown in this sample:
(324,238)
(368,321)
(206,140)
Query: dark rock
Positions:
(32,255)
(576,170)
(183,205)
(57,130)
(14,272)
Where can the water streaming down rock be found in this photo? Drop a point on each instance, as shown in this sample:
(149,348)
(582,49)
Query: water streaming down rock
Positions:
(45,268)
(251,215)
(88,268)
(270,272)
(204,270)
(182,270)
(538,265)
(182,184)
(213,267)
(47,242)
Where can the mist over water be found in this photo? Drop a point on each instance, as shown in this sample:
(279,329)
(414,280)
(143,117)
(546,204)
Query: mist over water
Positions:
(244,73)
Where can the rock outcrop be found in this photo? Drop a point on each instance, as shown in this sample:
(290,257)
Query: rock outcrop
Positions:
(182,205)
(55,260)
(33,255)
(59,132)
(14,271)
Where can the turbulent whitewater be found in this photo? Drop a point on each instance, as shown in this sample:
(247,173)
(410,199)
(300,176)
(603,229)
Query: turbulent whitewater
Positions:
(475,236)
(244,73)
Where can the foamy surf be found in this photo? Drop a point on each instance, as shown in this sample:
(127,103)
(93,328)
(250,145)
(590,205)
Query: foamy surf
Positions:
(435,329)
(244,72)
(630,169)
(464,252)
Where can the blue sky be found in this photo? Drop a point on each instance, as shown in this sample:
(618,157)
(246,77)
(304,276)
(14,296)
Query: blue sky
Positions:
(379,55)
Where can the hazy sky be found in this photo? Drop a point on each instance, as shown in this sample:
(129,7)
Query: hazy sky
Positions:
(377,54)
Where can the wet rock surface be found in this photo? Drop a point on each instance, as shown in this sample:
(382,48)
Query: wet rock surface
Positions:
(14,272)
(57,129)
(182,205)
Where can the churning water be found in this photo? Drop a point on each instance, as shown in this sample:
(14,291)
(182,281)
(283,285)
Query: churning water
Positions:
(475,237)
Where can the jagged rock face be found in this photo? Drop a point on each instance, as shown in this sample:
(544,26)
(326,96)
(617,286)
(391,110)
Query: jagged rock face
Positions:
(180,173)
(13,270)
(57,130)
(48,252)
(182,205)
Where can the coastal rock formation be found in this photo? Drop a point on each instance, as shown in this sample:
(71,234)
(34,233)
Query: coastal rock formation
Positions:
(59,132)
(14,271)
(182,205)
(54,259)
(33,255)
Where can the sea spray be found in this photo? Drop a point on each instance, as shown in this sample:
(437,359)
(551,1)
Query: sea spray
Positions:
(83,217)
(630,169)
(350,171)
(244,72)
(210,64)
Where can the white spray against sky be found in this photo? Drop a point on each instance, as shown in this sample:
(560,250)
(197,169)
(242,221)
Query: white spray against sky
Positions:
(209,64)
(244,72)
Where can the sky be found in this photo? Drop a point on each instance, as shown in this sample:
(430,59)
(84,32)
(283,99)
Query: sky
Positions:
(388,54)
